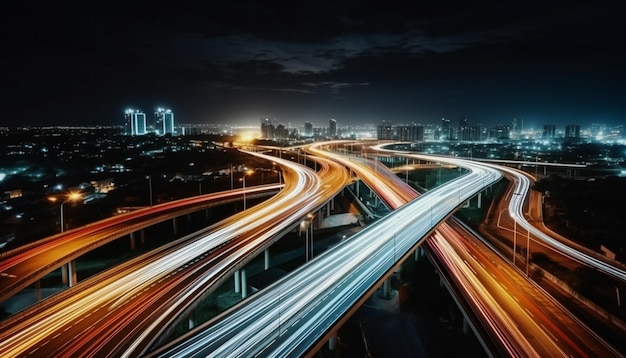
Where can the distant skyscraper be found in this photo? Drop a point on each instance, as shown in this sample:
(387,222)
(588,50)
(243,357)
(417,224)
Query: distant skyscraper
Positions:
(446,130)
(135,122)
(332,128)
(384,132)
(549,131)
(281,131)
(518,125)
(410,133)
(572,131)
(468,132)
(308,129)
(499,132)
(267,128)
(163,121)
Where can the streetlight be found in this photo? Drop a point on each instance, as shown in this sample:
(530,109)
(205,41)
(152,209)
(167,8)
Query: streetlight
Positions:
(73,196)
(248,172)
(230,166)
(527,250)
(305,225)
(536,167)
(514,233)
(149,177)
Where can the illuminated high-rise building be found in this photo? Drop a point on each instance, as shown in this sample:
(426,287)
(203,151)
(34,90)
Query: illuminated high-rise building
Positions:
(572,131)
(267,128)
(446,130)
(163,121)
(332,128)
(135,122)
(308,129)
(385,131)
(549,131)
(517,126)
(410,133)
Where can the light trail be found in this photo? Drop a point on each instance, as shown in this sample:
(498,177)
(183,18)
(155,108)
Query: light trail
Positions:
(286,318)
(152,290)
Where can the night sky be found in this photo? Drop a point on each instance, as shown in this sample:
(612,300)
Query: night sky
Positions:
(234,62)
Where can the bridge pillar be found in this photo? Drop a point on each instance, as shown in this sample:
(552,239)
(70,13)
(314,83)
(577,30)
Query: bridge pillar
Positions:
(191,322)
(38,290)
(174,226)
(307,250)
(385,291)
(237,283)
(244,284)
(267,258)
(142,236)
(132,240)
(68,273)
(480,197)
(332,341)
(419,252)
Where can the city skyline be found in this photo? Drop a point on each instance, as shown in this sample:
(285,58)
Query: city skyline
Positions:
(559,63)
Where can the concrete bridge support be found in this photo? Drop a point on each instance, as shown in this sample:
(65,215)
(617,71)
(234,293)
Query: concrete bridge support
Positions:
(237,281)
(68,273)
(38,290)
(133,240)
(385,290)
(133,244)
(419,253)
(244,284)
(191,319)
(267,258)
(332,341)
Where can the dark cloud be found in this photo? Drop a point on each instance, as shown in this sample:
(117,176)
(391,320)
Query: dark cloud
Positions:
(72,62)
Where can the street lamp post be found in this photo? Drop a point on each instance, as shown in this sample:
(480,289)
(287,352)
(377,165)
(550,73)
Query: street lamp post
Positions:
(149,177)
(527,250)
(514,234)
(406,175)
(244,191)
(71,197)
(231,176)
(62,226)
(514,239)
(244,187)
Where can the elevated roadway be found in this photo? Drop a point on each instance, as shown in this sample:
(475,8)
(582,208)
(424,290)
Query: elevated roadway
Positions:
(298,312)
(519,320)
(123,311)
(25,265)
